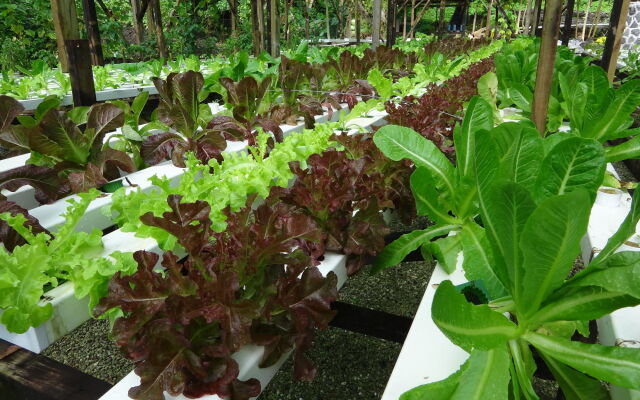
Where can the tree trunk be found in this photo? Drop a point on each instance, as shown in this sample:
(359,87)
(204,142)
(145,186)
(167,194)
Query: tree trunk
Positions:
(413,16)
(586,17)
(528,16)
(475,16)
(233,6)
(441,24)
(568,19)
(138,26)
(157,18)
(261,24)
(375,23)
(594,27)
(306,20)
(419,18)
(358,22)
(488,30)
(255,28)
(286,22)
(275,29)
(575,33)
(326,19)
(404,23)
(391,15)
(536,19)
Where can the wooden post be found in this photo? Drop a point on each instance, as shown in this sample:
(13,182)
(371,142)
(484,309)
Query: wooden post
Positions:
(157,18)
(544,75)
(275,29)
(375,24)
(568,19)
(614,37)
(65,22)
(80,72)
(93,32)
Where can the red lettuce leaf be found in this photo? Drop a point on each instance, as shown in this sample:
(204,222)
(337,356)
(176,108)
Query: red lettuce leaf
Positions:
(8,236)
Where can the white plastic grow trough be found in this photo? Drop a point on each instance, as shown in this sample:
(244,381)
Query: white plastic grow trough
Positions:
(25,196)
(248,357)
(427,355)
(70,312)
(103,95)
(622,327)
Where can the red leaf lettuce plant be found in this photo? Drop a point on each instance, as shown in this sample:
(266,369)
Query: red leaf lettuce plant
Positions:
(251,284)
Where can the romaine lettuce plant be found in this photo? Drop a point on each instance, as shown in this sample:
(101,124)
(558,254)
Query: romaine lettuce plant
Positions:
(532,245)
(132,133)
(448,195)
(249,111)
(64,156)
(180,109)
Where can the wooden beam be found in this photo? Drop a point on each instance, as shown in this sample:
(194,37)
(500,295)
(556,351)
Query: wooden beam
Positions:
(546,60)
(614,37)
(568,19)
(375,24)
(93,31)
(80,72)
(26,375)
(65,23)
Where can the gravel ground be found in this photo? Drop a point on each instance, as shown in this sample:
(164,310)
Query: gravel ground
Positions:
(89,349)
(624,172)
